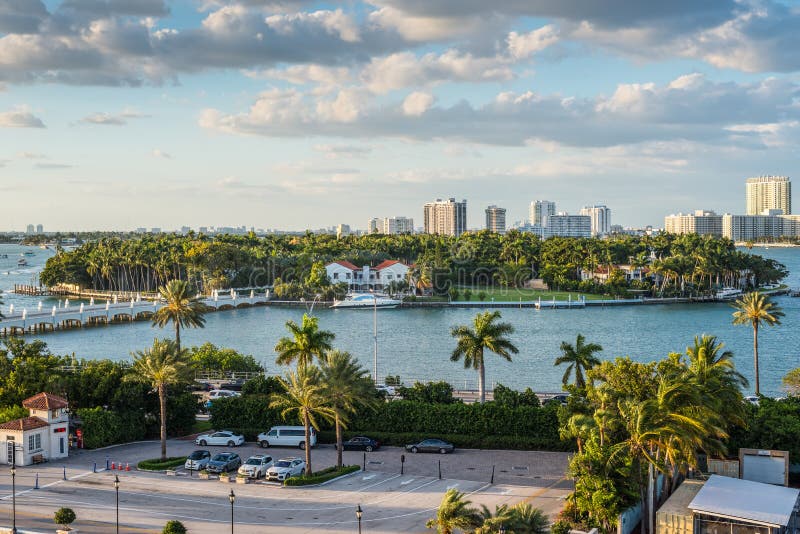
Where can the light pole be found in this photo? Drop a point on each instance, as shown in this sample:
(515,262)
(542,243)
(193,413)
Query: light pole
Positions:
(375,332)
(232,498)
(502,529)
(359,513)
(14,495)
(116,490)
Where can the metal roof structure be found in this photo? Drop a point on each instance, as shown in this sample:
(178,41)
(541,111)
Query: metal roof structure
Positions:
(746,500)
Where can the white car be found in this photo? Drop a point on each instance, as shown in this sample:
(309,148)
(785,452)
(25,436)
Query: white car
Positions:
(197,460)
(223,437)
(222,394)
(389,390)
(286,468)
(752,399)
(256,466)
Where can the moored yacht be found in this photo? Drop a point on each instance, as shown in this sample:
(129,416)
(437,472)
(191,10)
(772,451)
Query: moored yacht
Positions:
(728,293)
(367,301)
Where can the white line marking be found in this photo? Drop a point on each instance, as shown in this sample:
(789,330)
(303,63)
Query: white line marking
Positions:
(368,477)
(403,483)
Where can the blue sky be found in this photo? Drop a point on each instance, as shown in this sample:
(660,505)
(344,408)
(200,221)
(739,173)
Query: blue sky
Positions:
(293,114)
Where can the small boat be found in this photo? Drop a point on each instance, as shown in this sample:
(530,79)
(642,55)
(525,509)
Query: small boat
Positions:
(4,256)
(728,293)
(22,262)
(366,301)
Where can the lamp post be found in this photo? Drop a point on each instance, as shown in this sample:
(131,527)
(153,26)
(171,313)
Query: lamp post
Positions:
(502,529)
(14,497)
(375,332)
(116,491)
(232,498)
(359,513)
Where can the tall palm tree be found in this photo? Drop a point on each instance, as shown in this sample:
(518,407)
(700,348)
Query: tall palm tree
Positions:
(161,365)
(304,395)
(182,307)
(347,386)
(525,519)
(454,513)
(485,334)
(756,310)
(580,358)
(306,342)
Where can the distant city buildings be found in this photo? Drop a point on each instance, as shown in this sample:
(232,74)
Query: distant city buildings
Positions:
(539,210)
(754,227)
(343,230)
(39,229)
(702,222)
(496,219)
(29,230)
(391,225)
(446,217)
(601,218)
(769,193)
(565,225)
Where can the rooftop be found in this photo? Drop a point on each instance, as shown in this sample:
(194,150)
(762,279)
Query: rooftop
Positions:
(45,401)
(747,500)
(26,423)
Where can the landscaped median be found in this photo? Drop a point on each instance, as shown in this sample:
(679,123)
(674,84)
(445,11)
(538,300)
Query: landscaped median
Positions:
(155,464)
(321,476)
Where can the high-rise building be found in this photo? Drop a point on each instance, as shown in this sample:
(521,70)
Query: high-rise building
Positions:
(496,219)
(541,209)
(30,229)
(374,226)
(39,228)
(566,225)
(342,230)
(703,222)
(601,218)
(391,225)
(446,217)
(769,193)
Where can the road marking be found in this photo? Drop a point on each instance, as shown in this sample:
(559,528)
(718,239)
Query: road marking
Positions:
(405,482)
(368,477)
(544,490)
(452,486)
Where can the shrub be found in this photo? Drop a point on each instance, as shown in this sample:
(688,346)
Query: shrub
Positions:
(432,393)
(482,295)
(64,517)
(174,527)
(10,413)
(156,464)
(321,476)
(464,441)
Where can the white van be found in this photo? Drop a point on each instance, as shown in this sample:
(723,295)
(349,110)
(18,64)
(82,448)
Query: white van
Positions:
(286,436)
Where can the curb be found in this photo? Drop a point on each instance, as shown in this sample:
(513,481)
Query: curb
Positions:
(340,477)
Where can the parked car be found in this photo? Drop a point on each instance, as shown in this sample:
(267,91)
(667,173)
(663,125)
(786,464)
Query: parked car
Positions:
(286,436)
(224,462)
(752,399)
(389,390)
(215,394)
(197,460)
(361,443)
(431,445)
(223,437)
(561,398)
(286,468)
(233,385)
(256,466)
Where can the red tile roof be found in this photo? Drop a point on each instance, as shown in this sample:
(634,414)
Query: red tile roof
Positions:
(385,264)
(348,265)
(45,401)
(26,423)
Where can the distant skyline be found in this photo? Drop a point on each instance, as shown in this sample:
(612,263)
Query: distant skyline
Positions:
(294,114)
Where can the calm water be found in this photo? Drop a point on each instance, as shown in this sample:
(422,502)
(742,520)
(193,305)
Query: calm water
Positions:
(416,343)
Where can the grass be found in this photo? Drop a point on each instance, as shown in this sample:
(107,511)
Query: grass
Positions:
(155,464)
(324,475)
(200,427)
(502,294)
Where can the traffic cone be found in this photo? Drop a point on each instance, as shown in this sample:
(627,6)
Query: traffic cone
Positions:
(113,466)
(119,466)
(127,466)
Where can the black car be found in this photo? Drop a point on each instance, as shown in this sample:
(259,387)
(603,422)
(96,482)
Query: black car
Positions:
(561,398)
(224,462)
(361,443)
(431,445)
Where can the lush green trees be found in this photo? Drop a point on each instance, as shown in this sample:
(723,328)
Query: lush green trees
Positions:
(431,393)
(756,310)
(209,357)
(182,308)
(160,366)
(580,358)
(307,341)
(485,334)
(792,382)
(455,513)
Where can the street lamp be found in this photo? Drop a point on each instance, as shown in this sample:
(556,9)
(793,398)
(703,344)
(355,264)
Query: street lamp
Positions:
(232,498)
(14,497)
(116,490)
(359,513)
(375,332)
(502,529)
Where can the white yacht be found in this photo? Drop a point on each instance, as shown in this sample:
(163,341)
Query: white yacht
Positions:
(22,262)
(728,293)
(366,301)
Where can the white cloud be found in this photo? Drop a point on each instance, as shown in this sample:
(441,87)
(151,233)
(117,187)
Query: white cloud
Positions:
(20,117)
(112,119)
(342,151)
(158,153)
(526,44)
(417,103)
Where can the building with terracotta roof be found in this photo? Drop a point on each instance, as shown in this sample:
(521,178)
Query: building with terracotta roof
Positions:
(367,278)
(41,436)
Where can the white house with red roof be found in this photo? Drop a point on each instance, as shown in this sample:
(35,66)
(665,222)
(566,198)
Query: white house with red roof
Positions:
(366,278)
(41,436)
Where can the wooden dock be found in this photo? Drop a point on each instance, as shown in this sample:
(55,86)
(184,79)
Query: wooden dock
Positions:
(31,291)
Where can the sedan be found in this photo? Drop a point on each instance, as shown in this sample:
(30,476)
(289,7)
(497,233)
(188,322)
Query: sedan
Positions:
(256,466)
(223,437)
(197,460)
(286,468)
(431,445)
(361,443)
(224,462)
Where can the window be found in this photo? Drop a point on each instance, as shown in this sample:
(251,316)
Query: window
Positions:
(34,442)
(347,275)
(335,276)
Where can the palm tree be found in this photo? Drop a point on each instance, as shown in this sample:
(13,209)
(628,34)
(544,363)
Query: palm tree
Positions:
(525,519)
(454,512)
(756,310)
(182,307)
(580,358)
(486,334)
(307,341)
(347,386)
(304,395)
(161,365)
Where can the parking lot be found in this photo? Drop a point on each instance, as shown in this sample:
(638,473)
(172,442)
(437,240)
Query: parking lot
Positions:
(391,501)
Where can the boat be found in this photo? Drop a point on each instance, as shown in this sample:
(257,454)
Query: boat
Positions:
(728,293)
(22,262)
(29,253)
(366,301)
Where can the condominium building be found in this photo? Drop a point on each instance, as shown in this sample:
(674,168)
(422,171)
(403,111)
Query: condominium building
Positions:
(703,222)
(769,193)
(391,225)
(29,229)
(342,230)
(496,219)
(446,217)
(601,218)
(541,209)
(566,225)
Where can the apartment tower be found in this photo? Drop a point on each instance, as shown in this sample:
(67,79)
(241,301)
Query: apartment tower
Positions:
(769,193)
(541,209)
(446,217)
(496,219)
(601,219)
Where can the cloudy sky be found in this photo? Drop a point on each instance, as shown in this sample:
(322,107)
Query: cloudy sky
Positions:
(299,114)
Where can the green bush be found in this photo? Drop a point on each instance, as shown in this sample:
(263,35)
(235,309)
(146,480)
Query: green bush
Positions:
(9,413)
(64,517)
(432,393)
(321,476)
(463,441)
(156,464)
(174,527)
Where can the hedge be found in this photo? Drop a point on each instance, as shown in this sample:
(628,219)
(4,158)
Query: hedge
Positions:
(324,475)
(463,441)
(156,464)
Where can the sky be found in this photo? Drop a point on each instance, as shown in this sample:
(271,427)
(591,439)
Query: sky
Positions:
(294,114)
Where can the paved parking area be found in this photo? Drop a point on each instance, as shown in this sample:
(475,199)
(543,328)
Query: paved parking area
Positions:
(391,502)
